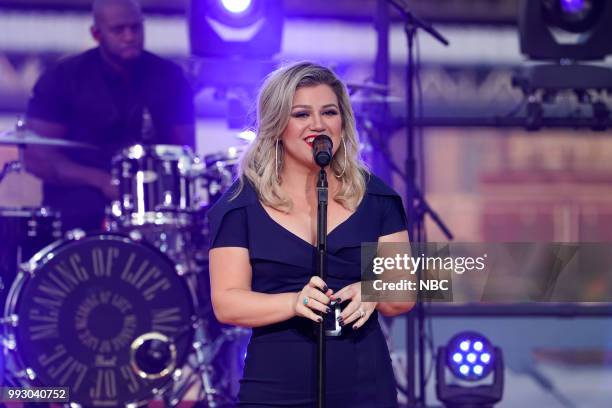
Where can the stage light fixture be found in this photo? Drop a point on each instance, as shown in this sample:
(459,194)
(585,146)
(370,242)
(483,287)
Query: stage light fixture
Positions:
(235,28)
(469,372)
(576,30)
(564,35)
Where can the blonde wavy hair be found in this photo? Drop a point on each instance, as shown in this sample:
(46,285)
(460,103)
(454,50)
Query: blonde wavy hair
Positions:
(275,99)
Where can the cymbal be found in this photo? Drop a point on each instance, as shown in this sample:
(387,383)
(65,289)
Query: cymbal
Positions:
(24,137)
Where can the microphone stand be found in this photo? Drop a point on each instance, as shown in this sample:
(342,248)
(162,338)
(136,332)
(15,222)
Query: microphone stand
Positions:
(415,217)
(322,273)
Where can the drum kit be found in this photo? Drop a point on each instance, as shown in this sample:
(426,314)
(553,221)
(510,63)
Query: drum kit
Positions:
(122,316)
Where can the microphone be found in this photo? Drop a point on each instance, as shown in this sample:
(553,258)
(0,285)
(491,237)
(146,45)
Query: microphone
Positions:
(322,150)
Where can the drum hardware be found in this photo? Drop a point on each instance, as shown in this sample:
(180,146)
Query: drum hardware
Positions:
(10,167)
(204,349)
(210,178)
(173,227)
(75,234)
(11,321)
(23,232)
(164,191)
(155,185)
(153,355)
(221,169)
(174,243)
(16,378)
(201,371)
(99,310)
(213,392)
(23,137)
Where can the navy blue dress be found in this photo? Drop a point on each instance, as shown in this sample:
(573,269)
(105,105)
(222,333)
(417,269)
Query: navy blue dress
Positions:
(280,367)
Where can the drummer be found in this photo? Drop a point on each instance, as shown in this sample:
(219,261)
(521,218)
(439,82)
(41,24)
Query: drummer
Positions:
(99,97)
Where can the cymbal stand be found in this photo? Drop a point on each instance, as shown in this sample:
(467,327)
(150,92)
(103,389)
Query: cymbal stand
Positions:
(415,217)
(16,166)
(10,167)
(211,393)
(205,351)
(202,371)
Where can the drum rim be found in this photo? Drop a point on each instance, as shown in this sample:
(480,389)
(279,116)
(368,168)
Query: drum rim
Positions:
(42,212)
(231,155)
(140,150)
(181,218)
(28,270)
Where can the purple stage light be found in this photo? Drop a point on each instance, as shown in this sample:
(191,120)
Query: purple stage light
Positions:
(236,6)
(251,29)
(572,6)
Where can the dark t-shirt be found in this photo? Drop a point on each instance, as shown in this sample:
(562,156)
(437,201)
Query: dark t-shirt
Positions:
(104,109)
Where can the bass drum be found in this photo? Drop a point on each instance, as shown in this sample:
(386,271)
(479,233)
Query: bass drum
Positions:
(103,315)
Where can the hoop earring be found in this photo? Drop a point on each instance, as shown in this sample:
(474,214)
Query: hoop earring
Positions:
(276,160)
(345,161)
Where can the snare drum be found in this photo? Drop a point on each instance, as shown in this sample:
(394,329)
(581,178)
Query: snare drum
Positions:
(155,185)
(103,315)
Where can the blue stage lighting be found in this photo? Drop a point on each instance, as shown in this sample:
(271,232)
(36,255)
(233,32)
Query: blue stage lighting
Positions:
(469,372)
(469,356)
(236,6)
(572,6)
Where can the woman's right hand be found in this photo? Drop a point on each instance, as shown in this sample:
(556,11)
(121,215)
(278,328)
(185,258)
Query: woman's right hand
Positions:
(314,296)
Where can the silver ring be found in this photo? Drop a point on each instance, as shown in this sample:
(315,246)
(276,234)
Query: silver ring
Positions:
(361,313)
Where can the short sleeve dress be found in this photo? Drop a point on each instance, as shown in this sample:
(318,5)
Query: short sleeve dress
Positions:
(280,367)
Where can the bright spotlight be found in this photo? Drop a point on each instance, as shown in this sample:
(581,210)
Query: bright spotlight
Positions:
(236,6)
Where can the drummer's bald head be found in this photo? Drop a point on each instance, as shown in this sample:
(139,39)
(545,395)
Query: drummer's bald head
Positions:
(100,6)
(118,29)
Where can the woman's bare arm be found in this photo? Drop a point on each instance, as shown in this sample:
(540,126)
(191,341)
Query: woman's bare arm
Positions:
(233,300)
(394,308)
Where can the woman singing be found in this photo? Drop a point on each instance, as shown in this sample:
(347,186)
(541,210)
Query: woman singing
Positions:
(263,237)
